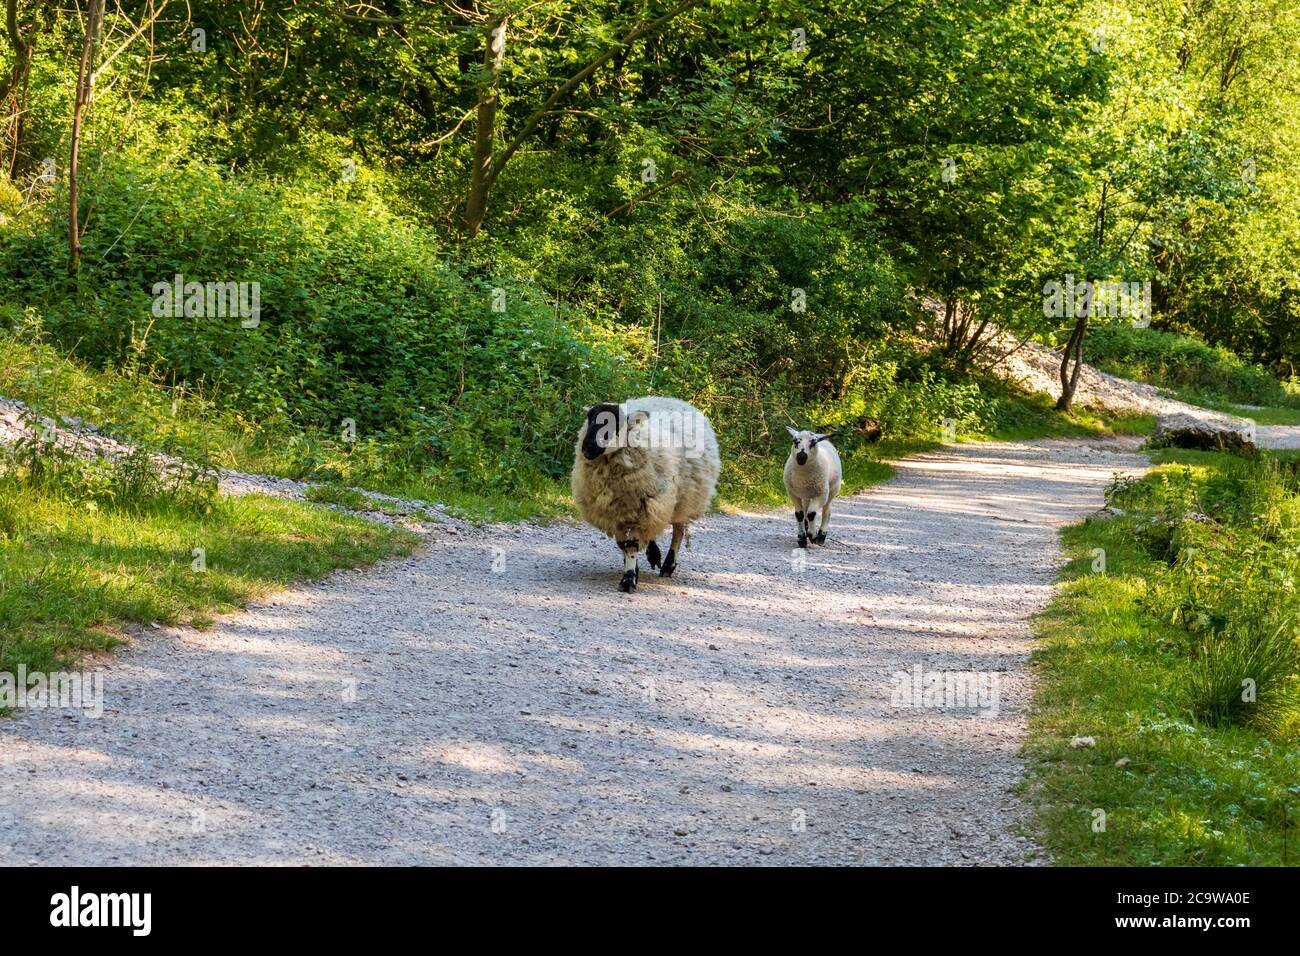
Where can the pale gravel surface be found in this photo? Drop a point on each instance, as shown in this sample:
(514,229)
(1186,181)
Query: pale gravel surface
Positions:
(696,721)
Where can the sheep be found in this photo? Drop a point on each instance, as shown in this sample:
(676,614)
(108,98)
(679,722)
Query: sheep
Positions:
(639,467)
(812,479)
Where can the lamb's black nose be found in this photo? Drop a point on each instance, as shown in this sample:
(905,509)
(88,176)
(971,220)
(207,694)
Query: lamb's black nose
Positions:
(802,458)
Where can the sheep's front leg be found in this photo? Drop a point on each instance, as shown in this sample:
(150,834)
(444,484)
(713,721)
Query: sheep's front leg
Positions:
(809,517)
(670,560)
(629,547)
(801,523)
(821,529)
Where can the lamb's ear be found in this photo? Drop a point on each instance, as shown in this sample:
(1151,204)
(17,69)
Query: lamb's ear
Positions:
(793,433)
(820,437)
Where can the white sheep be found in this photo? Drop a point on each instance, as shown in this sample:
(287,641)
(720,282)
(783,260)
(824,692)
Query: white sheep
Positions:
(812,479)
(641,466)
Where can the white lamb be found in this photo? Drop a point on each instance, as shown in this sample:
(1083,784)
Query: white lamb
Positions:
(641,466)
(812,479)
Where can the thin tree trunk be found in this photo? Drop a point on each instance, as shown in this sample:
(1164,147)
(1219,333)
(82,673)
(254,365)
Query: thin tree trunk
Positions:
(1073,352)
(481,175)
(85,89)
(15,82)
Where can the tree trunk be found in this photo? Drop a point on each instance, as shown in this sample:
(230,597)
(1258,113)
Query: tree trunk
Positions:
(85,90)
(481,175)
(1073,351)
(15,82)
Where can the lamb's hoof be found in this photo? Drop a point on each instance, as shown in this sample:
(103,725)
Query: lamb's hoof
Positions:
(821,538)
(628,584)
(803,541)
(653,555)
(670,564)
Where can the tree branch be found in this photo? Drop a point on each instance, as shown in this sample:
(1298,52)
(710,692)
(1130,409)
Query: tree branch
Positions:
(571,84)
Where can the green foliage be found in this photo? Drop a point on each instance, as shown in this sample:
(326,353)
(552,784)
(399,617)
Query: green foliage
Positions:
(1149,658)
(88,548)
(1186,364)
(1228,532)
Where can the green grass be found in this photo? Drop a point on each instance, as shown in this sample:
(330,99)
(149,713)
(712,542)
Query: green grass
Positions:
(74,574)
(1022,416)
(135,406)
(1175,790)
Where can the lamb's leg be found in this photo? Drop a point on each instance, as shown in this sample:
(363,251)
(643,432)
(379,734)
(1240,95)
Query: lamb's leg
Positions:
(798,520)
(809,517)
(652,554)
(826,519)
(670,561)
(629,549)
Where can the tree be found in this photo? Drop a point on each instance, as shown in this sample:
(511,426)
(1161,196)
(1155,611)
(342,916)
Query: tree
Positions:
(20,33)
(85,92)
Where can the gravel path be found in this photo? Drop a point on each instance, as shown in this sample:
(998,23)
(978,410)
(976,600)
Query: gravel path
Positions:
(433,710)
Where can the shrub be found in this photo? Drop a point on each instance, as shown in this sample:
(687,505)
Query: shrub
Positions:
(1178,361)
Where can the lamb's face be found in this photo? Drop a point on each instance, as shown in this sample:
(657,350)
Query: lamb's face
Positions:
(805,445)
(610,427)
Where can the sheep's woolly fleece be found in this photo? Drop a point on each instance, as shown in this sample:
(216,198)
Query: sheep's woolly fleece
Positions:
(431,711)
(672,482)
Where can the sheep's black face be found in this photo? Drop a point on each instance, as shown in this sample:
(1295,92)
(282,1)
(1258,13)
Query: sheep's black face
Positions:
(604,425)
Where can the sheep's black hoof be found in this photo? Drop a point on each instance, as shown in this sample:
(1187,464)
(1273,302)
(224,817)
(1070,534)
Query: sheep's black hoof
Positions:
(628,584)
(652,553)
(803,541)
(670,564)
(821,538)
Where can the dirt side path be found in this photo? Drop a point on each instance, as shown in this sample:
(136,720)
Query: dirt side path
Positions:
(435,710)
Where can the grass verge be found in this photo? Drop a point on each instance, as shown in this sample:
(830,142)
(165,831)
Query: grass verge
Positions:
(74,573)
(1168,782)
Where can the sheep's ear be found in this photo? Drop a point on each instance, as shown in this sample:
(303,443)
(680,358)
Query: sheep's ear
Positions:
(820,437)
(793,433)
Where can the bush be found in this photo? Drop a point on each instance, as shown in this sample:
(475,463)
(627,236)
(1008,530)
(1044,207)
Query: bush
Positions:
(361,319)
(1227,532)
(1181,362)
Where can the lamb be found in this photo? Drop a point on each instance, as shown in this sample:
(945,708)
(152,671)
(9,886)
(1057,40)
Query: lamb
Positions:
(812,479)
(639,467)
